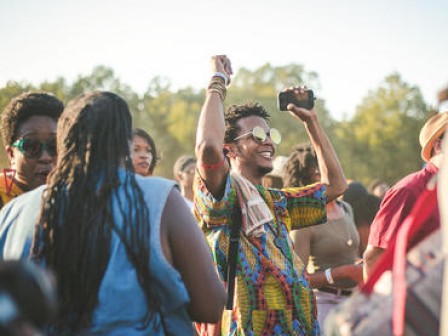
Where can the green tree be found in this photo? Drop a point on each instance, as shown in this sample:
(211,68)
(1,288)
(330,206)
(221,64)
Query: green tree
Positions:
(381,140)
(11,90)
(154,117)
(263,84)
(103,78)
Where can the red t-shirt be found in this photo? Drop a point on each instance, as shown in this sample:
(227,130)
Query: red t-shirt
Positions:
(397,205)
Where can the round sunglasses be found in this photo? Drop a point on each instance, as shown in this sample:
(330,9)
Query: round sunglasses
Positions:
(33,149)
(259,135)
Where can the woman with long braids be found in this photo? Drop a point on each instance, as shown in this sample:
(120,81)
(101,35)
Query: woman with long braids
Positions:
(128,257)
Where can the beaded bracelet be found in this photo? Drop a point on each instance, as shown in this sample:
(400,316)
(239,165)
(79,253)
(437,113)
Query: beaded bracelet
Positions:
(223,76)
(217,86)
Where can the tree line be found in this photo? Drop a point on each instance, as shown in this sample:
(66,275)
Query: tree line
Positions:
(380,140)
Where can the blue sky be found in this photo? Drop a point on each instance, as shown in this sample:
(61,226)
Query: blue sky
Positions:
(352,45)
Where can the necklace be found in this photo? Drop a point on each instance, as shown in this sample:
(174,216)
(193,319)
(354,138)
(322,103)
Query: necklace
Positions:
(348,238)
(349,242)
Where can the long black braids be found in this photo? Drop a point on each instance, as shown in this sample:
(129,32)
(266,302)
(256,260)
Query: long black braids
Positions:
(76,223)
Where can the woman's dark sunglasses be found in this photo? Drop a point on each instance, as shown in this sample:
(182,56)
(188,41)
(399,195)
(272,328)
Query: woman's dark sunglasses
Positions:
(33,149)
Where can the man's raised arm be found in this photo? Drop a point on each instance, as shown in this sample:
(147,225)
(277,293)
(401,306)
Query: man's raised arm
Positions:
(211,162)
(329,165)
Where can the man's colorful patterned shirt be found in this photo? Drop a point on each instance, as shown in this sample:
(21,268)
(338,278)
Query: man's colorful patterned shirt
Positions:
(273,295)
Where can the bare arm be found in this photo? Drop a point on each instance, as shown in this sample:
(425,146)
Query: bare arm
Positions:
(302,245)
(329,166)
(185,246)
(210,135)
(351,272)
(371,256)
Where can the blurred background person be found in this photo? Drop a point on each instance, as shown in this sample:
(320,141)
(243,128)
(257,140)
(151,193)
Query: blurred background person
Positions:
(330,250)
(378,188)
(442,98)
(126,252)
(274,179)
(183,171)
(27,299)
(28,128)
(365,206)
(143,152)
(443,205)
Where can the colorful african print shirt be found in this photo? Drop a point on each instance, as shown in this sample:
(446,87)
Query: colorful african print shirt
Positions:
(272,293)
(8,189)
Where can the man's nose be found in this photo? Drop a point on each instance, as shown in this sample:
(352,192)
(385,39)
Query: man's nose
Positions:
(269,140)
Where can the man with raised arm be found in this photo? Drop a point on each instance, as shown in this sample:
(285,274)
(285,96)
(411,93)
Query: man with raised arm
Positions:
(234,151)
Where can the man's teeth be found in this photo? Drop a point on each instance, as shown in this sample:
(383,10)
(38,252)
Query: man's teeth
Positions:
(266,154)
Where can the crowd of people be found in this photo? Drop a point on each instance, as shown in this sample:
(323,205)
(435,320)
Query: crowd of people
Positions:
(237,244)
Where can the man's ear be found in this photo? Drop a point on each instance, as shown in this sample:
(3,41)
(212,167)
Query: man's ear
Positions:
(230,150)
(437,147)
(179,177)
(11,156)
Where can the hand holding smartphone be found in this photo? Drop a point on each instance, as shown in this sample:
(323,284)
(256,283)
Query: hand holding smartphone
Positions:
(305,99)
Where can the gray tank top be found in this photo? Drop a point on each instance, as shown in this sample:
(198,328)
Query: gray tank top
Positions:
(334,243)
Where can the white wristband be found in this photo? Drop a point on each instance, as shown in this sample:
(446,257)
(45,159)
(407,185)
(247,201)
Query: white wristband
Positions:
(221,75)
(328,276)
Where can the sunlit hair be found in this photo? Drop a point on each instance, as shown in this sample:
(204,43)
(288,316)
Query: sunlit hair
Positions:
(74,232)
(25,106)
(155,156)
(297,168)
(237,112)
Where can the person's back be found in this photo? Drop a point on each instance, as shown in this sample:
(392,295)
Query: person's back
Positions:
(17,221)
(112,237)
(116,292)
(119,287)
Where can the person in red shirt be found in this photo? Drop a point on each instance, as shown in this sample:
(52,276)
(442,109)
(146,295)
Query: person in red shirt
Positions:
(399,200)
